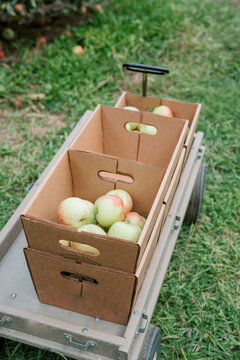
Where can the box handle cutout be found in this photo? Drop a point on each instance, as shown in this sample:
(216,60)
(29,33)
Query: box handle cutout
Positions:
(141,128)
(79,247)
(112,177)
(79,277)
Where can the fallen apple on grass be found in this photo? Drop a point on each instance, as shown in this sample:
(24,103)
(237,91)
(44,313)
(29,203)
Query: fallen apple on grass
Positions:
(75,212)
(134,218)
(126,198)
(125,231)
(79,50)
(109,209)
(163,110)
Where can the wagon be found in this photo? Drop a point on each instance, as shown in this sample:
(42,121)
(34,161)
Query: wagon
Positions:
(24,319)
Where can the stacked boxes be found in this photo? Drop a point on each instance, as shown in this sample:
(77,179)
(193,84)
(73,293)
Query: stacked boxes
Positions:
(104,156)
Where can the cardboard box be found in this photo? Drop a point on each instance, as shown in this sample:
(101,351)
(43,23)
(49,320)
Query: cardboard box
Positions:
(107,149)
(86,288)
(77,174)
(181,109)
(105,133)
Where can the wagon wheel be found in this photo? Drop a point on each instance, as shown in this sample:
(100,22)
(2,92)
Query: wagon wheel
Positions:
(151,346)
(195,203)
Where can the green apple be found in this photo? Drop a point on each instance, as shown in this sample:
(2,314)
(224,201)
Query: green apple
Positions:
(92,228)
(126,198)
(147,129)
(65,243)
(84,248)
(163,110)
(109,209)
(130,108)
(125,231)
(130,126)
(75,212)
(186,135)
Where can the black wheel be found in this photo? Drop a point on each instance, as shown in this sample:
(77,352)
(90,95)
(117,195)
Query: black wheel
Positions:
(151,346)
(195,203)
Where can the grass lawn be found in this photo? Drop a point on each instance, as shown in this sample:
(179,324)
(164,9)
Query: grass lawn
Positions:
(198,308)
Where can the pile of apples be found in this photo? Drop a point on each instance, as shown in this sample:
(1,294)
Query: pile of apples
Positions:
(147,129)
(111,215)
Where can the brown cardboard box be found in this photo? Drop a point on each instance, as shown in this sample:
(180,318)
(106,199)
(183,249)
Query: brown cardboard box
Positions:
(77,174)
(108,150)
(181,109)
(105,133)
(86,288)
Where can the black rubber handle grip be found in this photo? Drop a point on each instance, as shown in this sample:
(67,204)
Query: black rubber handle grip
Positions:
(146,69)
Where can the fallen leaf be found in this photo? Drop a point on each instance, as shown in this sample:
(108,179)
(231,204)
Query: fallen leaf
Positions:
(37,96)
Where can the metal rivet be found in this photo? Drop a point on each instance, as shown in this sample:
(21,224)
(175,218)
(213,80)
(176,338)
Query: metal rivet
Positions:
(13,296)
(84,330)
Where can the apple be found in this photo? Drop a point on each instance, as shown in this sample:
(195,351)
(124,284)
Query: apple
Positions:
(92,228)
(84,248)
(20,9)
(186,135)
(41,40)
(65,243)
(135,219)
(130,108)
(125,231)
(163,110)
(8,34)
(126,198)
(2,54)
(109,209)
(79,50)
(130,126)
(75,212)
(147,129)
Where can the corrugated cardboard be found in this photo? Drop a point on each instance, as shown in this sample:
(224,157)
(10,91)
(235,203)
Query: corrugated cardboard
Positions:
(86,288)
(181,109)
(105,145)
(105,133)
(76,174)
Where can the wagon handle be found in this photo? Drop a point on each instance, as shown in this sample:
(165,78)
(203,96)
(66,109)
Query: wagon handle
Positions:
(145,70)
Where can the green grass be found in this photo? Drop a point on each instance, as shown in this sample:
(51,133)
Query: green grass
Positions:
(198,307)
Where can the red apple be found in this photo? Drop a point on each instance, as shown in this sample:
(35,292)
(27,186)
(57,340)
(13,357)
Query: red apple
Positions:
(20,9)
(163,110)
(135,219)
(109,209)
(41,40)
(2,54)
(126,198)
